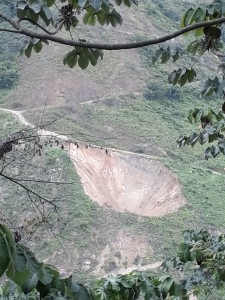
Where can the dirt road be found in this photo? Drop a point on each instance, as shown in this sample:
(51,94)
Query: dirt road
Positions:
(122,180)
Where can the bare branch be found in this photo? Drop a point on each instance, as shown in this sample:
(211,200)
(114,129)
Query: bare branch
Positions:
(40,26)
(42,181)
(104,46)
(28,190)
(9,30)
(14,24)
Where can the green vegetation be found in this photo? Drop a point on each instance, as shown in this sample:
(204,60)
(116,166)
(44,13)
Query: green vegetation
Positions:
(9,61)
(200,258)
(145,122)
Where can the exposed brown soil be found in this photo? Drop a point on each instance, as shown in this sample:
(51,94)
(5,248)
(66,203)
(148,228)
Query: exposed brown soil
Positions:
(127,182)
(124,181)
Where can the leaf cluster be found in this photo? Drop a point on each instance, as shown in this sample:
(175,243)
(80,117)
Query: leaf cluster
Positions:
(202,256)
(21,266)
(212,129)
(200,259)
(82,57)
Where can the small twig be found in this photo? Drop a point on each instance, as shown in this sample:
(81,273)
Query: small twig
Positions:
(197,60)
(27,189)
(40,26)
(43,181)
(9,30)
(49,225)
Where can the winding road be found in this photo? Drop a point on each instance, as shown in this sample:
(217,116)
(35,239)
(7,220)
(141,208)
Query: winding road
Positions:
(24,121)
(21,118)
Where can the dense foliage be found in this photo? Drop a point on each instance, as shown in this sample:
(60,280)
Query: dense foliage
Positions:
(200,263)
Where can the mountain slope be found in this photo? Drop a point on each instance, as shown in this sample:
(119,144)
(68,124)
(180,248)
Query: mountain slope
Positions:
(123,102)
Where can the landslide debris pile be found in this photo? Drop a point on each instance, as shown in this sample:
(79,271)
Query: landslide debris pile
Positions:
(127,182)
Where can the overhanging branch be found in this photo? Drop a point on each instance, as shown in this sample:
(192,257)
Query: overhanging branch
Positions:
(105,46)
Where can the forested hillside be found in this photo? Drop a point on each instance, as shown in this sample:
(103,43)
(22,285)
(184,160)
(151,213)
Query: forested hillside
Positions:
(124,102)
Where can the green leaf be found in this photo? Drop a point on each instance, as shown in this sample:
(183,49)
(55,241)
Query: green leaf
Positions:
(191,74)
(148,290)
(76,291)
(20,277)
(82,3)
(70,58)
(184,252)
(30,284)
(182,76)
(46,15)
(30,14)
(186,18)
(10,241)
(36,7)
(211,86)
(198,16)
(176,290)
(166,284)
(4,254)
(45,275)
(50,2)
(127,3)
(38,47)
(11,248)
(83,61)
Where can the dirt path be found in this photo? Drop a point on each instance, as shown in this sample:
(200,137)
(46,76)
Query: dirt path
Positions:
(107,97)
(152,266)
(42,132)
(122,180)
(19,115)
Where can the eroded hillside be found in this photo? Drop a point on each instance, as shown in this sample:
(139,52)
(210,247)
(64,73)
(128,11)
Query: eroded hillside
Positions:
(127,182)
(123,103)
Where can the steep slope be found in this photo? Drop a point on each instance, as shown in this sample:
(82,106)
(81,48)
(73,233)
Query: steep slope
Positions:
(127,182)
(128,105)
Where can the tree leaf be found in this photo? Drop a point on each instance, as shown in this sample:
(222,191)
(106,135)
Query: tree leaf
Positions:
(166,284)
(83,61)
(38,47)
(4,255)
(36,7)
(30,284)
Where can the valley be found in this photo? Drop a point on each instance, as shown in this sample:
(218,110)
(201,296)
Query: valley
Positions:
(126,208)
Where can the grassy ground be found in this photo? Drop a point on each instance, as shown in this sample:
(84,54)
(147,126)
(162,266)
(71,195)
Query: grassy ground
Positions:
(136,110)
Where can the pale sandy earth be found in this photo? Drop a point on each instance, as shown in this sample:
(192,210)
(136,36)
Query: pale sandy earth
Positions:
(127,182)
(123,181)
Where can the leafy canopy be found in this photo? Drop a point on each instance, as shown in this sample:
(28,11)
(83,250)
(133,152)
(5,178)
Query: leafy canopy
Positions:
(200,258)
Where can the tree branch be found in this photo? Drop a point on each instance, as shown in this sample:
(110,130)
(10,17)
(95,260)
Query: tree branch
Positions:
(42,181)
(28,190)
(40,26)
(10,30)
(14,24)
(104,46)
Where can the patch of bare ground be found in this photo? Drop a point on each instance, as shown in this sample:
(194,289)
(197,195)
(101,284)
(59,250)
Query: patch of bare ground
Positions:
(126,250)
(43,77)
(127,182)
